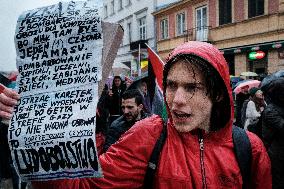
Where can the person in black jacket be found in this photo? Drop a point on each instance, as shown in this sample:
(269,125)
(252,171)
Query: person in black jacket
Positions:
(132,107)
(114,98)
(102,113)
(273,131)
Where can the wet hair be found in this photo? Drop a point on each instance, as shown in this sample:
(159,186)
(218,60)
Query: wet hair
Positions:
(133,93)
(122,86)
(215,88)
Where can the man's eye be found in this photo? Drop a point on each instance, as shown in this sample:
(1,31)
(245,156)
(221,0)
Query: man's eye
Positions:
(171,85)
(190,88)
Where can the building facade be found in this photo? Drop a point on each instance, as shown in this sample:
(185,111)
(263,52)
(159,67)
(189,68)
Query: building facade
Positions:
(250,33)
(137,21)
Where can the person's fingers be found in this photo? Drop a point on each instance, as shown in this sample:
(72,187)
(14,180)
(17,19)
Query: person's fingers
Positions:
(5,115)
(2,88)
(9,92)
(5,108)
(7,100)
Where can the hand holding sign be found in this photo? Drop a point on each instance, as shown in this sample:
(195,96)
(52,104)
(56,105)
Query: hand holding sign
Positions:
(8,99)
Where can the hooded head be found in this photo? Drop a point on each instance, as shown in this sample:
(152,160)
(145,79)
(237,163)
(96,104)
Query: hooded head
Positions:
(253,90)
(276,91)
(197,89)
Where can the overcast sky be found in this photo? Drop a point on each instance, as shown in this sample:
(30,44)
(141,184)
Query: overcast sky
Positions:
(9,13)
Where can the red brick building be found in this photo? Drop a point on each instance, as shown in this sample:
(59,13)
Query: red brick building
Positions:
(244,30)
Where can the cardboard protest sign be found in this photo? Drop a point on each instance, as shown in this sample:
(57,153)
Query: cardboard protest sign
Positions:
(59,57)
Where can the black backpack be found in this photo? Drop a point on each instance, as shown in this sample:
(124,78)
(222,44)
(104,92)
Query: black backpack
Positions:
(242,148)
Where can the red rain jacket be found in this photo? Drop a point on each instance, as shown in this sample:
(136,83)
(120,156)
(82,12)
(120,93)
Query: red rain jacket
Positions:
(125,162)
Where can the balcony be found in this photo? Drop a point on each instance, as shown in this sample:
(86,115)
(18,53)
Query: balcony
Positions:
(197,34)
(260,29)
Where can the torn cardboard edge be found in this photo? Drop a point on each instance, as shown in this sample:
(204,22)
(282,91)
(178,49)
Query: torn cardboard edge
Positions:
(112,37)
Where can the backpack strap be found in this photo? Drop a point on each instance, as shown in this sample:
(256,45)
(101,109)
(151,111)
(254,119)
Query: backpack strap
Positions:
(242,148)
(153,162)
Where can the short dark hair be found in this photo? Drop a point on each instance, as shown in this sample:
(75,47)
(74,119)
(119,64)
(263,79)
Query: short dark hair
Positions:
(133,93)
(215,87)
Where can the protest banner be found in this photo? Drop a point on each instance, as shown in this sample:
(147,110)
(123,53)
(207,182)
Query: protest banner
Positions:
(60,50)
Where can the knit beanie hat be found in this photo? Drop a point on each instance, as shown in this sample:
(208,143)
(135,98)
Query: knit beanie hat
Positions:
(253,90)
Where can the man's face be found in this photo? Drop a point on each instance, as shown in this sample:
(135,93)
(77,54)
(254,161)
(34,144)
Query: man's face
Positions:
(117,82)
(131,110)
(189,105)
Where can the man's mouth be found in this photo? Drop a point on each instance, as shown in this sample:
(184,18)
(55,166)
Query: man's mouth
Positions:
(181,115)
(128,116)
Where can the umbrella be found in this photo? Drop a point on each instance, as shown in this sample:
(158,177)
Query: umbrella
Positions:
(247,74)
(109,81)
(235,79)
(250,83)
(136,83)
(120,65)
(268,79)
(242,81)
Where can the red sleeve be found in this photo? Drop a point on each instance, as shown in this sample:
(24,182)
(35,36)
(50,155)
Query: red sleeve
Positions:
(100,140)
(260,167)
(124,164)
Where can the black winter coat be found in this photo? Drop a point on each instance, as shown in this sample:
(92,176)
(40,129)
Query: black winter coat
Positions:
(118,128)
(273,136)
(115,100)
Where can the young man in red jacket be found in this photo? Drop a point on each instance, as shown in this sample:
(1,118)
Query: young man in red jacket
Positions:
(198,151)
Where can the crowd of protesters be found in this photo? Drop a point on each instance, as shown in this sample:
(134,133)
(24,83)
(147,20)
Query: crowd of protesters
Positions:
(261,110)
(199,148)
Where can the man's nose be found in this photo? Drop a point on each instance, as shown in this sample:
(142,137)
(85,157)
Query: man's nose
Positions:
(126,110)
(180,96)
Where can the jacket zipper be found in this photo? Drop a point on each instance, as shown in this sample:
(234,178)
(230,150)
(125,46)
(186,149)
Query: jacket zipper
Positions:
(201,147)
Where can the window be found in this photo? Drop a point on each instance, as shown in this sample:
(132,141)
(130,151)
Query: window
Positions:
(255,8)
(129,32)
(164,29)
(225,11)
(112,7)
(201,24)
(180,23)
(120,5)
(142,28)
(105,11)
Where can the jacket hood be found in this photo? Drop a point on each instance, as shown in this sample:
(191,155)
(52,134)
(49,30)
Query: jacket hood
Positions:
(276,91)
(210,54)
